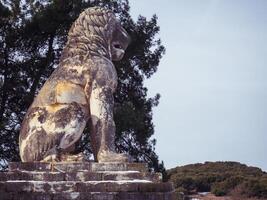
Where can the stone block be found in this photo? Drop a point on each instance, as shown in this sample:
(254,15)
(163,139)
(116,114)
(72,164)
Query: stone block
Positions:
(83,181)
(36,176)
(70,195)
(83,176)
(155,187)
(103,196)
(121,187)
(29,166)
(124,175)
(76,166)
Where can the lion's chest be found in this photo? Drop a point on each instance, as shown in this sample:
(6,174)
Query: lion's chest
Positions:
(105,74)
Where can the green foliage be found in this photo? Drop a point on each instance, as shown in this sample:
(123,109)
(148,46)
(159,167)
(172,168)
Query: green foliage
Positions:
(32,35)
(224,187)
(254,188)
(220,178)
(219,191)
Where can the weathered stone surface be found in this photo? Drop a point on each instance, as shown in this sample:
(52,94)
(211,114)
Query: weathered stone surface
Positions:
(78,186)
(77,166)
(78,176)
(36,176)
(80,89)
(86,190)
(83,181)
(89,196)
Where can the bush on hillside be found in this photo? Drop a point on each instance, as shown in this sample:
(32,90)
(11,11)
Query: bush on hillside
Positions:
(220,178)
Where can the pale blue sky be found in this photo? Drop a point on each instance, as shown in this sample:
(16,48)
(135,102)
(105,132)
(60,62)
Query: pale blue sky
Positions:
(212,80)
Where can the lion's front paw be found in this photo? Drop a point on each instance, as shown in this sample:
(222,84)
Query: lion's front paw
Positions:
(72,158)
(51,158)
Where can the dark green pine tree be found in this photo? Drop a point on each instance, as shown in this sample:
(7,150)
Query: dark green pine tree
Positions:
(32,36)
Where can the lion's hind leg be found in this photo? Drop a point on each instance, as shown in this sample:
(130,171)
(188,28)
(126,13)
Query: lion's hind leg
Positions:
(70,121)
(34,138)
(37,144)
(51,130)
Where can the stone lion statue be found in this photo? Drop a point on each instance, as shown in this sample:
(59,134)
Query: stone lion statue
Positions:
(80,89)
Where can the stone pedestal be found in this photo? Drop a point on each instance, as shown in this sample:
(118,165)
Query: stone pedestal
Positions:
(82,181)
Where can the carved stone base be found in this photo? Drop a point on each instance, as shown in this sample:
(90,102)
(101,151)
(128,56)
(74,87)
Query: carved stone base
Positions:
(83,181)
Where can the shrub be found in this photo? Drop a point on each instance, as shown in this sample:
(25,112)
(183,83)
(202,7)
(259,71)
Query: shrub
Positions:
(220,178)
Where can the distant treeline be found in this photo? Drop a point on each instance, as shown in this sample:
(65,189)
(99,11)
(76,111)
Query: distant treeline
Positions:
(220,178)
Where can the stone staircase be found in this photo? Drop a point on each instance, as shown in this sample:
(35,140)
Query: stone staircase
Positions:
(82,181)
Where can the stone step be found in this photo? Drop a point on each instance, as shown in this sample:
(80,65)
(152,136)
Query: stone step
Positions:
(46,187)
(79,176)
(89,196)
(77,166)
(82,181)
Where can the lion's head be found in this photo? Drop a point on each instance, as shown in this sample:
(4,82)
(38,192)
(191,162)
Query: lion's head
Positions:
(97,32)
